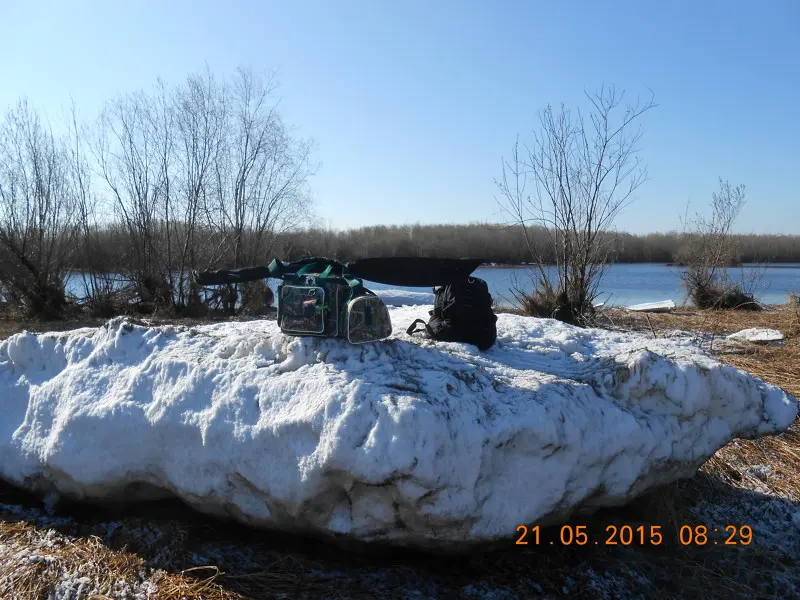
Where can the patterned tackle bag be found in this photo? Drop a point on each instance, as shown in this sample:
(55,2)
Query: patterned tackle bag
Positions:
(320,297)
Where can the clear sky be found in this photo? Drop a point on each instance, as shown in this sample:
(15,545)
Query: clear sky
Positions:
(413,104)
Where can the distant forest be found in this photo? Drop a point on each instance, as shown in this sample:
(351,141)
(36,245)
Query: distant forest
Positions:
(492,243)
(507,244)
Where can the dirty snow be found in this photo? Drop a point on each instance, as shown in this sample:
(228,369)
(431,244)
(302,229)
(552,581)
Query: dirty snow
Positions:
(763,472)
(773,520)
(405,441)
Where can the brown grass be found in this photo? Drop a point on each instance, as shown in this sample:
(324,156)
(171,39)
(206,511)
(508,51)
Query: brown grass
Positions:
(42,559)
(38,560)
(186,556)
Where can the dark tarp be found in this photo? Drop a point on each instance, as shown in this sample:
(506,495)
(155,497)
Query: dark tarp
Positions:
(414,272)
(410,272)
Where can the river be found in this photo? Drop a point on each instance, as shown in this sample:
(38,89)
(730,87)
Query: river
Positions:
(622,285)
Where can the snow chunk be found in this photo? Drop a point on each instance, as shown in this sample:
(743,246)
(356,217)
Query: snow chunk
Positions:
(759,335)
(762,472)
(656,307)
(406,441)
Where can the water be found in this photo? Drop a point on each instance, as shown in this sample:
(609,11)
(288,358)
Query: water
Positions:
(623,284)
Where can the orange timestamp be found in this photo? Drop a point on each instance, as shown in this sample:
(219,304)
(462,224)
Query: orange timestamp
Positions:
(641,535)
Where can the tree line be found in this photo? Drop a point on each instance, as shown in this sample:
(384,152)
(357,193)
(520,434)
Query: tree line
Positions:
(505,244)
(493,243)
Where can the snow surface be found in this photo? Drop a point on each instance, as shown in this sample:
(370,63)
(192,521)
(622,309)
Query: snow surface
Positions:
(407,441)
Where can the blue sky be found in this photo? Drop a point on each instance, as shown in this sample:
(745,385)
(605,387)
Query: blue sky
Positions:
(413,104)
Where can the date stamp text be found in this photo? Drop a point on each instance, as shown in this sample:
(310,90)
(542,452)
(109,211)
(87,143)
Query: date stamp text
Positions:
(627,535)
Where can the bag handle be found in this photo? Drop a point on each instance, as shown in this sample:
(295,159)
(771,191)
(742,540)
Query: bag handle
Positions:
(278,269)
(412,331)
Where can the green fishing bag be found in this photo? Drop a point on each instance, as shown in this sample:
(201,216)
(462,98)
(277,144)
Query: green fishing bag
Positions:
(320,297)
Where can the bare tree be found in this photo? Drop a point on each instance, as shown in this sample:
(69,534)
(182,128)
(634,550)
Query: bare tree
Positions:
(199,116)
(201,173)
(92,256)
(710,249)
(261,176)
(37,214)
(572,182)
(133,152)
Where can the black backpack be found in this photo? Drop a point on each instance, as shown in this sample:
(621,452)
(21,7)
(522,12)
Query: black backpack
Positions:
(462,312)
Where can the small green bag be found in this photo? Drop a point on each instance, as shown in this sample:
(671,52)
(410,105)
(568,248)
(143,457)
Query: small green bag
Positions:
(367,319)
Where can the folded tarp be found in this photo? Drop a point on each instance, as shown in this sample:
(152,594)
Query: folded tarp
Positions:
(410,272)
(414,272)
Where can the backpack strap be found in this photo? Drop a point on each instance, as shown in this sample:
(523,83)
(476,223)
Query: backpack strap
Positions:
(316,264)
(411,329)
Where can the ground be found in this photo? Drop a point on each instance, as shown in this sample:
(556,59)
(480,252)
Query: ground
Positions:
(166,551)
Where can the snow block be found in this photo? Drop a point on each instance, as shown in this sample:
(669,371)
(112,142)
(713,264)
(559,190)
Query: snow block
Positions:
(656,307)
(407,441)
(757,335)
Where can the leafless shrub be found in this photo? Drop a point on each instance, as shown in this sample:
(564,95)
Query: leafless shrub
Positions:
(37,214)
(257,298)
(127,151)
(711,249)
(98,285)
(261,172)
(201,174)
(581,174)
(794,309)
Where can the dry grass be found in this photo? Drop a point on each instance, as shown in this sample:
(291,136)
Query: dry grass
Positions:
(40,563)
(166,552)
